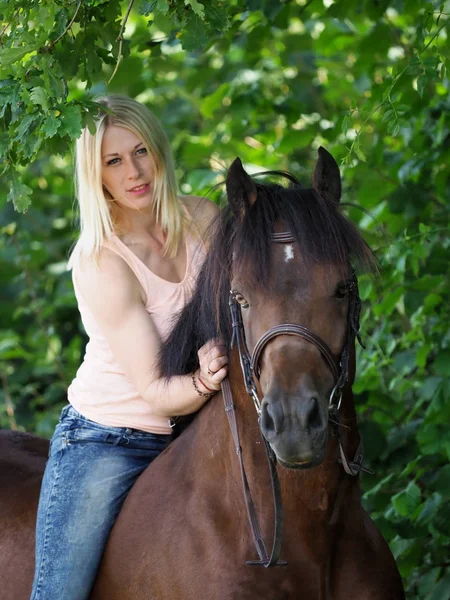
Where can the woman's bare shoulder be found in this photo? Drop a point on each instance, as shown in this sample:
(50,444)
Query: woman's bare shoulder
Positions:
(108,275)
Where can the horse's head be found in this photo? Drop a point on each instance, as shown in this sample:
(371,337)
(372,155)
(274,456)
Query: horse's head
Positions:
(302,281)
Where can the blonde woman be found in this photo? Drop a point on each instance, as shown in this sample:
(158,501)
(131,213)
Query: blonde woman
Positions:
(134,266)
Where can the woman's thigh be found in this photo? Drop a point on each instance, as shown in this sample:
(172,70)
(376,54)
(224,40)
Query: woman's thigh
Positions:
(90,470)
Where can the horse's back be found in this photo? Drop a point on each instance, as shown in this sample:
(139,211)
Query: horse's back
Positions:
(22,463)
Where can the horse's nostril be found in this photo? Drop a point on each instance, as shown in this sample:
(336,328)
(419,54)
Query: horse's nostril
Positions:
(309,415)
(268,420)
(315,419)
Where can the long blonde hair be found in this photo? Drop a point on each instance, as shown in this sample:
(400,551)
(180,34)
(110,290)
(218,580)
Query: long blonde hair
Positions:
(99,218)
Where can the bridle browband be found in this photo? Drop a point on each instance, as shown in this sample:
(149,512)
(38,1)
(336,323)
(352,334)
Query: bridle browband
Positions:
(250,367)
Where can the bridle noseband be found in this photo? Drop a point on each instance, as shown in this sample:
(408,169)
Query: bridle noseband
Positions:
(339,367)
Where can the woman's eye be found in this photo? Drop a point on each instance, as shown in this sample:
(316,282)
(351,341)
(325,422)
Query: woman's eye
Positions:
(142,151)
(113,161)
(341,291)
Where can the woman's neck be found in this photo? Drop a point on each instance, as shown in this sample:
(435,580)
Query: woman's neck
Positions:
(138,226)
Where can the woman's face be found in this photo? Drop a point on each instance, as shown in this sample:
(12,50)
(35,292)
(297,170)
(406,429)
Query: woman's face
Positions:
(127,168)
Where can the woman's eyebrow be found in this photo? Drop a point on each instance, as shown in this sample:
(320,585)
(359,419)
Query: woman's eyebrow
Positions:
(116,154)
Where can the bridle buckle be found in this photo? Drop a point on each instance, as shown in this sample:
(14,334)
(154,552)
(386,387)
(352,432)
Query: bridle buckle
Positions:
(334,403)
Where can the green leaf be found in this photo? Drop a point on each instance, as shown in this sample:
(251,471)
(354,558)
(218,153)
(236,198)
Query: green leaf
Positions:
(4,143)
(433,439)
(19,194)
(25,125)
(9,56)
(146,7)
(407,501)
(156,6)
(50,126)
(359,153)
(194,36)
(388,115)
(39,96)
(432,300)
(441,364)
(393,127)
(429,387)
(214,101)
(197,7)
(415,66)
(345,124)
(9,93)
(442,588)
(422,355)
(71,122)
(52,77)
(387,306)
(430,506)
(89,122)
(442,483)
(422,82)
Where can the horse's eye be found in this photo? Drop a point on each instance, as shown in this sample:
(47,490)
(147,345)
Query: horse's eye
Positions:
(341,290)
(240,299)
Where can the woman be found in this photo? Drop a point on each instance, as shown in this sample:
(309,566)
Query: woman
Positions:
(134,267)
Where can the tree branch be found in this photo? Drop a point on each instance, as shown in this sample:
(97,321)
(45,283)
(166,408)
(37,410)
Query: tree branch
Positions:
(120,40)
(52,44)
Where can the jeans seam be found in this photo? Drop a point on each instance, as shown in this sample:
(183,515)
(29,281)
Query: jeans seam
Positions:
(42,563)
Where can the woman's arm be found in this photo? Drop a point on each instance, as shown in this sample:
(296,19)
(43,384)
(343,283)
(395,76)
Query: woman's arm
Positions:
(114,295)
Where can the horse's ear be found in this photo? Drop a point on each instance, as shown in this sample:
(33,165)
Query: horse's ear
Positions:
(326,178)
(241,190)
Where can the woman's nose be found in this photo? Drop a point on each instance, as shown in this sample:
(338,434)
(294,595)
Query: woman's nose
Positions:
(133,170)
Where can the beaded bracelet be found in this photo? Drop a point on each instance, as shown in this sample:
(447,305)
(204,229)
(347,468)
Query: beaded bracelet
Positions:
(198,390)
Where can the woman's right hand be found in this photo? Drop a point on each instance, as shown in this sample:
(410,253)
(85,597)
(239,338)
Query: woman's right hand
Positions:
(213,358)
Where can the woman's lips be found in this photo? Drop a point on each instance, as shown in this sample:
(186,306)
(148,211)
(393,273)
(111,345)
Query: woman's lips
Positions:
(140,189)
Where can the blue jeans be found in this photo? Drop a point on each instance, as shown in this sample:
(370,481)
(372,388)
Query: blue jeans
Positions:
(90,470)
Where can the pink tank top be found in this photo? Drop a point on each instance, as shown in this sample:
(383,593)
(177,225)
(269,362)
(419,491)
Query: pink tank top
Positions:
(101,391)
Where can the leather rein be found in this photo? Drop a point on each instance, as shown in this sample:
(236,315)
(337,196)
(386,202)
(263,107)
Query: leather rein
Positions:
(250,369)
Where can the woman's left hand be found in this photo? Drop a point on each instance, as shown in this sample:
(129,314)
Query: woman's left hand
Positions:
(213,358)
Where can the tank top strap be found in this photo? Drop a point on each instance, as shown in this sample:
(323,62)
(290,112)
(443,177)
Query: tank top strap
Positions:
(116,245)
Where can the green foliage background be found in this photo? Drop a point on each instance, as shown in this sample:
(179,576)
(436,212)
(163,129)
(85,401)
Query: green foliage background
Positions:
(269,81)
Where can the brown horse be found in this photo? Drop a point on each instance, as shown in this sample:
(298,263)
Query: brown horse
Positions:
(183,532)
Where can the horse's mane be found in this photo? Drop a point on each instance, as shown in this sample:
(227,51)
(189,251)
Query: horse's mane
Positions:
(322,232)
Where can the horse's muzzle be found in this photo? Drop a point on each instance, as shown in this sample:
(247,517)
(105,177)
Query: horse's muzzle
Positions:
(296,428)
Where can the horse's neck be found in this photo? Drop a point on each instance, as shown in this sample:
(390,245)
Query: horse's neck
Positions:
(313,499)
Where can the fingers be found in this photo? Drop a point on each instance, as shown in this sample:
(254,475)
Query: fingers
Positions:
(213,358)
(216,364)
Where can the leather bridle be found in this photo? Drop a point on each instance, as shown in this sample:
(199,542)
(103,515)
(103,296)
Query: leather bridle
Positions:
(339,367)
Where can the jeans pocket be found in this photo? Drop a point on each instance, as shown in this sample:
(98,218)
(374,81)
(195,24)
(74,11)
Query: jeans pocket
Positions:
(86,434)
